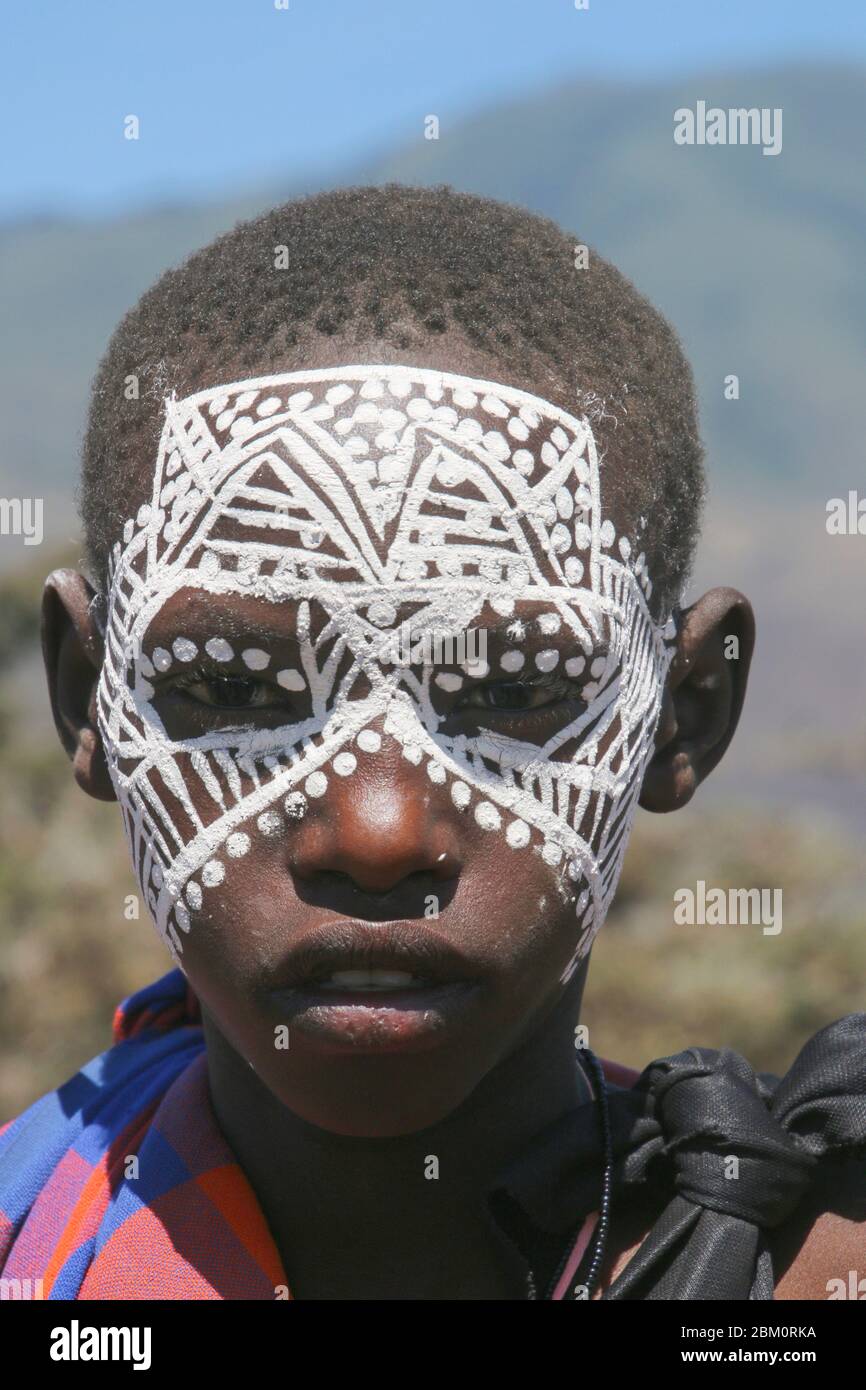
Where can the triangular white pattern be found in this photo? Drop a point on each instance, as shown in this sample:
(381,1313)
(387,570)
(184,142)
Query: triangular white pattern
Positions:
(354,492)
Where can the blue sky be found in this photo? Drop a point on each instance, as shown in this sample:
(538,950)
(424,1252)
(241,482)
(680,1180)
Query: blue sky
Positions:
(234,94)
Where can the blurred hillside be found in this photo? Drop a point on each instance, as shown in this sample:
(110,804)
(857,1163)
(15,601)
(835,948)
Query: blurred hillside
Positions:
(69,955)
(757,260)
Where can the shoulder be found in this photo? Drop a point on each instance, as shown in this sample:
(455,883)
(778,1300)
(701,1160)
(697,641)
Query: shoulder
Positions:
(52,1152)
(821,1252)
(818,1250)
(818,1254)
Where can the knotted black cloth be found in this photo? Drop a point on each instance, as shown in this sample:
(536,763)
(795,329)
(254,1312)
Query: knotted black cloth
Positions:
(728,1154)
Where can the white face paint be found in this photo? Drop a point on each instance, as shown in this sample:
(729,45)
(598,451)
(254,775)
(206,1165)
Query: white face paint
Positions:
(370,492)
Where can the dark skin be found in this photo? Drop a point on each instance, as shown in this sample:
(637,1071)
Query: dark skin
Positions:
(335,1145)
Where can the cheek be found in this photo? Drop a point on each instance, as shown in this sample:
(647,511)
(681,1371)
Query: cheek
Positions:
(239,933)
(236,869)
(209,823)
(205,824)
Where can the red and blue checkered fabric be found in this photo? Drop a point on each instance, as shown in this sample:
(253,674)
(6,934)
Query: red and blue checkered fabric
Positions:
(120,1185)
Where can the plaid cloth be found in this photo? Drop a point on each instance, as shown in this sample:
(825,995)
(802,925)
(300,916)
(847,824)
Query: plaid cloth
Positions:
(75,1213)
(120,1184)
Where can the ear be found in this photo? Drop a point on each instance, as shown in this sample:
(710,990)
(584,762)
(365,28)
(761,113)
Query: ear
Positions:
(72,648)
(703,697)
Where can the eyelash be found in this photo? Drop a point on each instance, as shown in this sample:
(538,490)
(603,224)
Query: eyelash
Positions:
(548,680)
(551,681)
(204,675)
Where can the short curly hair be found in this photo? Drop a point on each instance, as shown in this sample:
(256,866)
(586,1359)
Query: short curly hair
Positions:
(404,265)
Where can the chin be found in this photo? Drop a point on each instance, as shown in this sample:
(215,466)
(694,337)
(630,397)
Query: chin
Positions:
(380,1110)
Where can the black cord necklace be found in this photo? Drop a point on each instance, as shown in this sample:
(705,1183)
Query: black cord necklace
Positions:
(603,1224)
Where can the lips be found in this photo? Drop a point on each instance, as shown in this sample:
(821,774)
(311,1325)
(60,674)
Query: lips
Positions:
(384,956)
(375,988)
(374,980)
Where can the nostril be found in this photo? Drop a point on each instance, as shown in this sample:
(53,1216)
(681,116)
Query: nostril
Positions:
(350,895)
(446,865)
(381,836)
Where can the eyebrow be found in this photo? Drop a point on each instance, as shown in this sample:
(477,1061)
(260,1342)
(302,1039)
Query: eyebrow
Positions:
(499,631)
(230,624)
(226,623)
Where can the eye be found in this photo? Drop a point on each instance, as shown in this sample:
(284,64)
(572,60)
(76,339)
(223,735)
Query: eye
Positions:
(223,690)
(516,696)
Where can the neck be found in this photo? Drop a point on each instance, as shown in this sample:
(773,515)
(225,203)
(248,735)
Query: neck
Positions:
(315,1186)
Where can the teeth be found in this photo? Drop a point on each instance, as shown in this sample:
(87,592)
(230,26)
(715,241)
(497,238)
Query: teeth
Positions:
(372,980)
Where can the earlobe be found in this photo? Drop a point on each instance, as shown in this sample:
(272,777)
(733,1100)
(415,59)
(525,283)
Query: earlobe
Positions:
(703,697)
(72,648)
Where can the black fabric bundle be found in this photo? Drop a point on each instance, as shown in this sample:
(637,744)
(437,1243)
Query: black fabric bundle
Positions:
(734,1154)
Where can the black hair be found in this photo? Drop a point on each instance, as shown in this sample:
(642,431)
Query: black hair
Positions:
(402,266)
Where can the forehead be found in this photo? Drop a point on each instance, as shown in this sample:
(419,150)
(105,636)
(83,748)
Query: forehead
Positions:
(366,482)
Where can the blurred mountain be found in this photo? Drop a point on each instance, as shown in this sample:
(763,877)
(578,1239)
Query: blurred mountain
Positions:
(757,260)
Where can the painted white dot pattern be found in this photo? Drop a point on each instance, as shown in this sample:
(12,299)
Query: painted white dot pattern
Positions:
(461,794)
(447,680)
(512,661)
(518,834)
(547,660)
(524,534)
(488,815)
(255,658)
(184,650)
(291,680)
(477,668)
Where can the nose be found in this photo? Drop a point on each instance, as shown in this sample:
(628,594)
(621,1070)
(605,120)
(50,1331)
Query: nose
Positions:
(378,827)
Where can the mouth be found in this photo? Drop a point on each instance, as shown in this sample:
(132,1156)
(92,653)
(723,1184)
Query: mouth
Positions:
(371,981)
(375,987)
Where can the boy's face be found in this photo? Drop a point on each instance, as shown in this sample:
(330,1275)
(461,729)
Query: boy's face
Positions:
(400,852)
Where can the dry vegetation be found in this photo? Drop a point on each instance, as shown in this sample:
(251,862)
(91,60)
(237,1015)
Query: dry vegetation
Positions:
(68,955)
